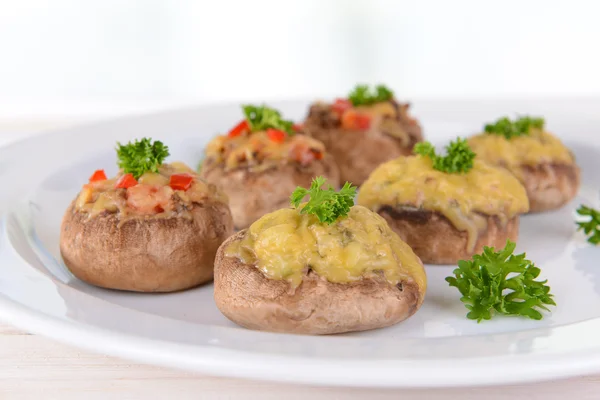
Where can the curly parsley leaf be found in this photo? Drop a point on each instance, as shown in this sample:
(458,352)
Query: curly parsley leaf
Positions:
(592,226)
(141,156)
(261,118)
(520,127)
(458,159)
(362,95)
(500,282)
(328,205)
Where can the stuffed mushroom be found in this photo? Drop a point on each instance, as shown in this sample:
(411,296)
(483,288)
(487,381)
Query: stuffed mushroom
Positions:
(446,208)
(155,227)
(364,130)
(319,268)
(537,158)
(261,160)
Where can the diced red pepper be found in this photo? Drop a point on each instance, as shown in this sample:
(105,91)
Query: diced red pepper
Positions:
(355,121)
(363,121)
(318,155)
(340,106)
(276,135)
(98,175)
(126,181)
(181,181)
(297,127)
(239,129)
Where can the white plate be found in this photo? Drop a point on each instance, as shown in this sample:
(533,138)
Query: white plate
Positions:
(436,347)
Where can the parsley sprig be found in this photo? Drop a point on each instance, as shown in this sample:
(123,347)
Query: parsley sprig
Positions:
(458,159)
(141,156)
(500,282)
(362,95)
(520,127)
(328,205)
(592,226)
(262,117)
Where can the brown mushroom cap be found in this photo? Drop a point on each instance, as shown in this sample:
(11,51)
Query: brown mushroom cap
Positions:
(358,153)
(550,186)
(435,239)
(253,194)
(145,255)
(542,163)
(250,299)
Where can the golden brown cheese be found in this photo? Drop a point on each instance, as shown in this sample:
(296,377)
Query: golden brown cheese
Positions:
(257,149)
(539,147)
(152,196)
(412,182)
(285,243)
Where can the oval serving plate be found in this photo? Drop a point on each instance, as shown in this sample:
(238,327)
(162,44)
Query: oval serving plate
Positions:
(436,347)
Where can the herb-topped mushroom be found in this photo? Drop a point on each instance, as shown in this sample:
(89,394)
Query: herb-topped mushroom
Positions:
(537,158)
(364,130)
(321,267)
(155,227)
(446,208)
(261,160)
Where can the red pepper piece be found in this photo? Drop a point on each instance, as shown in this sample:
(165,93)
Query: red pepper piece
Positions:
(181,181)
(354,121)
(297,127)
(340,106)
(126,181)
(239,129)
(318,155)
(98,175)
(276,135)
(363,122)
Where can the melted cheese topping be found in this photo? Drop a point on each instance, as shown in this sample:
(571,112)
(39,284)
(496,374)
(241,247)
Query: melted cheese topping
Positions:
(538,147)
(285,243)
(257,149)
(462,198)
(152,196)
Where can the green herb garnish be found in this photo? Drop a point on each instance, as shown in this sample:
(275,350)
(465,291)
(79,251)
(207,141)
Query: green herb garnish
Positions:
(141,156)
(500,282)
(328,205)
(459,156)
(362,95)
(591,227)
(520,127)
(261,118)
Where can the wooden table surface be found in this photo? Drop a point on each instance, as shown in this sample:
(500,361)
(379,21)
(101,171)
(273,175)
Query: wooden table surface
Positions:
(34,367)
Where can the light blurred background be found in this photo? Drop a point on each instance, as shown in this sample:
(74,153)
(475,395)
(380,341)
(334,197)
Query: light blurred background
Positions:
(70,58)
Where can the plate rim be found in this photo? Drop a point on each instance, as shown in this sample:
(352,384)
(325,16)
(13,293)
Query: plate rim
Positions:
(217,361)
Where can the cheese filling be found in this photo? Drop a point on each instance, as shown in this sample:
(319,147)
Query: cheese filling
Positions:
(464,199)
(539,147)
(285,244)
(150,197)
(259,151)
